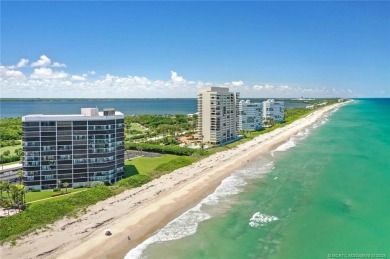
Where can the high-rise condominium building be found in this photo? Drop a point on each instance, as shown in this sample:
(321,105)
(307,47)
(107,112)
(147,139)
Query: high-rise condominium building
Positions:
(77,149)
(218,115)
(250,115)
(273,110)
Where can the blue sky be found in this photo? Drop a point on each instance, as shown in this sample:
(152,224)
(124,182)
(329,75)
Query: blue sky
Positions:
(172,49)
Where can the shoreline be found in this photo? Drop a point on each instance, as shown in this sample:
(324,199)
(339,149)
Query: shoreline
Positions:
(141,211)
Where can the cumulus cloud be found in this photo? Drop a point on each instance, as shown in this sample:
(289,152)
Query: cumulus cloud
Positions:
(14,73)
(47,73)
(5,72)
(47,81)
(237,83)
(22,63)
(43,61)
(260,87)
(175,78)
(78,78)
(57,64)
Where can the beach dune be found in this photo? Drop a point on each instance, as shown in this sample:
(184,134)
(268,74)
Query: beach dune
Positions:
(138,213)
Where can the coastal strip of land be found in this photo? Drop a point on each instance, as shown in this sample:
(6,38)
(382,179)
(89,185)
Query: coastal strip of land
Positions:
(141,211)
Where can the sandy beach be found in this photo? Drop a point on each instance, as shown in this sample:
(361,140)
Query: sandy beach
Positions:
(141,211)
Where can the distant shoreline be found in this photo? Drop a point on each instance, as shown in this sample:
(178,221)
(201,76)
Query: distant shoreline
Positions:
(137,99)
(85,99)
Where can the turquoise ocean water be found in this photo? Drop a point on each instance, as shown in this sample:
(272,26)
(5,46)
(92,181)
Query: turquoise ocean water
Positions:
(324,193)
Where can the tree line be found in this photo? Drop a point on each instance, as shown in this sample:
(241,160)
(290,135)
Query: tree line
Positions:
(16,193)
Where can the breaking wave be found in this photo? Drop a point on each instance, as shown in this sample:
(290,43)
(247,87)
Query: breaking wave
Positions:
(258,220)
(187,223)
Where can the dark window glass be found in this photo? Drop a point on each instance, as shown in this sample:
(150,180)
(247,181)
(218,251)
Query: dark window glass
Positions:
(64,123)
(48,123)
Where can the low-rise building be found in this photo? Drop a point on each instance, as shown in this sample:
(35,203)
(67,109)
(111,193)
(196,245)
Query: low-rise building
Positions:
(250,115)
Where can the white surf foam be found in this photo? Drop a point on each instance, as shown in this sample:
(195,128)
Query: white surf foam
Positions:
(285,146)
(258,220)
(303,133)
(187,223)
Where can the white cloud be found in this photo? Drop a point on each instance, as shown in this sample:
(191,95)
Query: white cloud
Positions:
(5,72)
(14,73)
(57,64)
(22,63)
(237,83)
(47,73)
(177,79)
(43,61)
(78,78)
(45,81)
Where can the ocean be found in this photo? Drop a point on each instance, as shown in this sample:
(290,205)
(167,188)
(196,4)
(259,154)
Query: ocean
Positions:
(323,194)
(18,108)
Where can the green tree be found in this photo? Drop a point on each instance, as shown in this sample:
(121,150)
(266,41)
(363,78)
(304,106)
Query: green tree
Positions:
(6,153)
(59,184)
(20,174)
(66,184)
(18,195)
(7,187)
(2,185)
(2,160)
(18,151)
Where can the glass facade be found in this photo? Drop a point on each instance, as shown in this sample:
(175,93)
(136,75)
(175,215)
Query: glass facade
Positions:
(77,151)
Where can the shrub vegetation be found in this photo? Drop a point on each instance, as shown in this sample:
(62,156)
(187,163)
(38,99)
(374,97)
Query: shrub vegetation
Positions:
(38,215)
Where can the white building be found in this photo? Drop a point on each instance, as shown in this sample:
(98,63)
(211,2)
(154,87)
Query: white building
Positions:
(273,110)
(218,115)
(250,116)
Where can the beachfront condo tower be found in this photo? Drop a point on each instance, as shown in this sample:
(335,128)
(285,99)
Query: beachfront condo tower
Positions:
(250,115)
(78,149)
(273,111)
(218,115)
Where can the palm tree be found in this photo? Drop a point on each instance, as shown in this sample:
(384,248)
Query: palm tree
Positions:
(66,184)
(20,173)
(2,162)
(18,195)
(18,151)
(7,187)
(59,184)
(2,188)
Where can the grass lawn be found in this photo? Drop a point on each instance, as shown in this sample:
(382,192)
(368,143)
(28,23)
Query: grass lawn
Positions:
(136,126)
(10,148)
(145,165)
(34,196)
(57,198)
